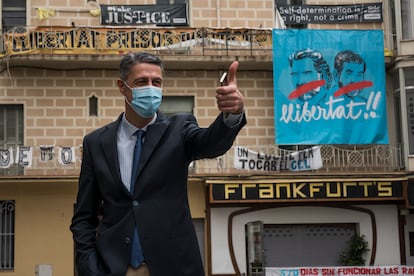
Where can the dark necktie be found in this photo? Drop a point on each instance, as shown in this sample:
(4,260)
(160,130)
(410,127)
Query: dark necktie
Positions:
(136,255)
(137,154)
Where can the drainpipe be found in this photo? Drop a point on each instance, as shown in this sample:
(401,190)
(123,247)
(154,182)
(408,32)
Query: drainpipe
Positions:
(404,119)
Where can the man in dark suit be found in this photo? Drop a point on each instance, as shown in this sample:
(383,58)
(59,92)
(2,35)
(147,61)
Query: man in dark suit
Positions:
(151,211)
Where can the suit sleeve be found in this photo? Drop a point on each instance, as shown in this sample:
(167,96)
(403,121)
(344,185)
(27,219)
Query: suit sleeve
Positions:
(213,141)
(85,219)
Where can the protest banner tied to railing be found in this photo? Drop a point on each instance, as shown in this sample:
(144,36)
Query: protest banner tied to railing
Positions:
(64,159)
(105,40)
(40,157)
(303,160)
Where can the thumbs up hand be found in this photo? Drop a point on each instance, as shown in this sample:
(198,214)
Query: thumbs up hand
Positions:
(228,97)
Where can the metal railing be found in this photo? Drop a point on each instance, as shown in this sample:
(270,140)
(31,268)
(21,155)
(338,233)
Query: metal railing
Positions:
(335,158)
(66,161)
(169,41)
(7,234)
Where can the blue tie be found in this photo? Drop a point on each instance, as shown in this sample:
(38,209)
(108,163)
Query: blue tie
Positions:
(137,154)
(136,255)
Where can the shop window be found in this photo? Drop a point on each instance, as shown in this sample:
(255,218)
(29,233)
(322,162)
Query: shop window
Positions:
(293,245)
(407,19)
(11,135)
(7,234)
(13,13)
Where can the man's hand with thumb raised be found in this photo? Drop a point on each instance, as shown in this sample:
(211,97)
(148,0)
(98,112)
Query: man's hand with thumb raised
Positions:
(229,99)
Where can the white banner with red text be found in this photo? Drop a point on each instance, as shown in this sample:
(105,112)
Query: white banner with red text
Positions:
(303,160)
(341,270)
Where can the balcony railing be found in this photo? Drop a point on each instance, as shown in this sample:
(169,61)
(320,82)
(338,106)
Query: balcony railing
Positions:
(335,158)
(346,158)
(169,41)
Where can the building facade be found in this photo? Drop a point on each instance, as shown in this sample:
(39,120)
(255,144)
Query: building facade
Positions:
(59,67)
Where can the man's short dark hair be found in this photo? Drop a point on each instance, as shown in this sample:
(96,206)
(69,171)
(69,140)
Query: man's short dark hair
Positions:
(132,58)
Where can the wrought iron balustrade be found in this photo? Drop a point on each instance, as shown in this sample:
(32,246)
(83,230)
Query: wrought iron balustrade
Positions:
(169,41)
(335,158)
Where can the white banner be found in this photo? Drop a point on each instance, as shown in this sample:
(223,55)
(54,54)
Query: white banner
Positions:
(304,160)
(24,156)
(341,270)
(6,158)
(66,155)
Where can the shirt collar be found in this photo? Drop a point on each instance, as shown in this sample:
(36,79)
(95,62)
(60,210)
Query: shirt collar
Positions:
(130,129)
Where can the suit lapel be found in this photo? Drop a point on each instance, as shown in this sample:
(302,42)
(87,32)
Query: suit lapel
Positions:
(108,140)
(152,137)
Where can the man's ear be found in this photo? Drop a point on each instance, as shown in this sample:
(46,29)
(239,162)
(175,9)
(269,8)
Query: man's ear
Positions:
(121,86)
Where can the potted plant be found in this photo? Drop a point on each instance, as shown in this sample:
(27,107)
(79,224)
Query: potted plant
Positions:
(353,255)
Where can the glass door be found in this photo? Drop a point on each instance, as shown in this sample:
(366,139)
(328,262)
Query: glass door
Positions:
(254,245)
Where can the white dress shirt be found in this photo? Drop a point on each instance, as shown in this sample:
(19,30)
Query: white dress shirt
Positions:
(126,143)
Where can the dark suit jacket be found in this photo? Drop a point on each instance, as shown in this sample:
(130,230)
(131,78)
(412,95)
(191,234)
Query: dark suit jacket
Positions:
(162,214)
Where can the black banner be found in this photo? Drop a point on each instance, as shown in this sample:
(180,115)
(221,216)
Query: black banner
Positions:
(307,191)
(160,15)
(329,14)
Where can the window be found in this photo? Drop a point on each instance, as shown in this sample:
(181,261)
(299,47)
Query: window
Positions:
(7,216)
(407,19)
(410,118)
(11,125)
(176,104)
(13,13)
(11,132)
(93,106)
(409,92)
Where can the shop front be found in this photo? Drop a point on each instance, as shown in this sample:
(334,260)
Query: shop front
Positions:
(257,224)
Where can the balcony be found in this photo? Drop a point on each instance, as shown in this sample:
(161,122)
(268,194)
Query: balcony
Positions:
(181,48)
(336,159)
(49,46)
(104,45)
(344,159)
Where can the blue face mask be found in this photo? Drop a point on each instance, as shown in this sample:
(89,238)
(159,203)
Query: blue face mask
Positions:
(145,100)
